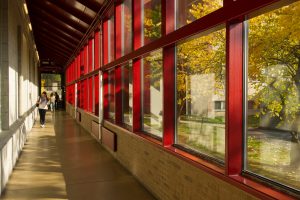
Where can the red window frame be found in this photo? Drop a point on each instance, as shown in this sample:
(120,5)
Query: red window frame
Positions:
(86,59)
(91,55)
(91,94)
(96,94)
(97,50)
(232,14)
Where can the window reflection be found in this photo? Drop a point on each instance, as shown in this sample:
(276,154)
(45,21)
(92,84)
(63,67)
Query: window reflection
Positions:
(111,94)
(190,10)
(127,93)
(152,93)
(273,115)
(127,27)
(152,20)
(201,94)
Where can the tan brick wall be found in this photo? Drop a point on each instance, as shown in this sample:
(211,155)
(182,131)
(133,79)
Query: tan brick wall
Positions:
(165,175)
(86,118)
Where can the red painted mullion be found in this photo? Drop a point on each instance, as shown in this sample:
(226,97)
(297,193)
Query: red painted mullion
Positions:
(169,100)
(78,66)
(105,95)
(82,62)
(105,42)
(136,66)
(96,50)
(137,103)
(72,71)
(86,59)
(91,92)
(96,91)
(234,99)
(118,30)
(168,26)
(118,70)
(91,55)
(118,94)
(137,22)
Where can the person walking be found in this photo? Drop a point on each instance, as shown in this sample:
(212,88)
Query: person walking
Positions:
(56,99)
(42,104)
(52,101)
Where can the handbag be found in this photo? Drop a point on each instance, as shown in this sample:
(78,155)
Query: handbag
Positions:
(38,102)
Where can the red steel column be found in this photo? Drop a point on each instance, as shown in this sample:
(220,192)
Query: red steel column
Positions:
(97,50)
(136,69)
(118,70)
(169,101)
(234,99)
(91,55)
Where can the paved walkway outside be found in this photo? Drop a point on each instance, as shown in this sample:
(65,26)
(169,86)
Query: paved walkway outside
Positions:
(62,161)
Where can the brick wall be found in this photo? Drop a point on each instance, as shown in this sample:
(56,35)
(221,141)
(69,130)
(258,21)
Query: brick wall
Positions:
(165,175)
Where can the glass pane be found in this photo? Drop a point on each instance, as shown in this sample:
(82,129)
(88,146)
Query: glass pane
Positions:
(273,115)
(127,94)
(152,93)
(127,27)
(51,83)
(190,10)
(111,94)
(152,20)
(111,35)
(201,94)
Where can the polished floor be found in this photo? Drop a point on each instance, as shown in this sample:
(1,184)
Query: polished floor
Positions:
(62,161)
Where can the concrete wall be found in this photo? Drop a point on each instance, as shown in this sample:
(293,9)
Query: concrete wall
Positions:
(167,176)
(18,65)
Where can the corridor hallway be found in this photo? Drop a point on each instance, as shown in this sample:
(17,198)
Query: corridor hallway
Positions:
(62,161)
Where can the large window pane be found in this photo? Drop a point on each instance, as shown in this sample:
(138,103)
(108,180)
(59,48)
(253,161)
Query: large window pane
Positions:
(127,27)
(152,93)
(273,95)
(201,94)
(190,10)
(51,83)
(127,93)
(152,20)
(111,94)
(111,39)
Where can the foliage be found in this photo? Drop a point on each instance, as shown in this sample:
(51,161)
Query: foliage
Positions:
(152,22)
(274,59)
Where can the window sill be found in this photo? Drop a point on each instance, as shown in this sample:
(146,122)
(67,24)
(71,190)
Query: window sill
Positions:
(255,188)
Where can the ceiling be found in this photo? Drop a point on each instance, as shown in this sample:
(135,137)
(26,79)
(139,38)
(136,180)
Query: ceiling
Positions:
(59,26)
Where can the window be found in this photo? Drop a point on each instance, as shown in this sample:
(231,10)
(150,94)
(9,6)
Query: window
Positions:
(96,92)
(127,93)
(152,93)
(273,96)
(152,20)
(127,27)
(190,10)
(111,94)
(51,83)
(220,105)
(111,39)
(91,94)
(200,83)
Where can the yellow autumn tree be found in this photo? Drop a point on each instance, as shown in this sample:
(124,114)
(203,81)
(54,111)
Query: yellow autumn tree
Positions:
(273,63)
(274,66)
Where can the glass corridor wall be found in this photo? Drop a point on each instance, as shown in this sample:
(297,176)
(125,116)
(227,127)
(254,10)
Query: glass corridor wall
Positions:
(214,81)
